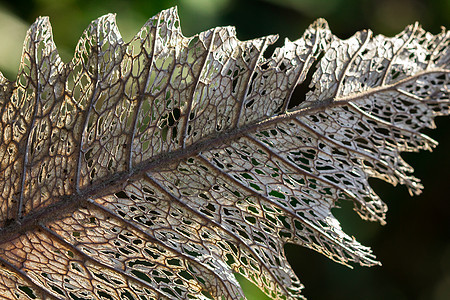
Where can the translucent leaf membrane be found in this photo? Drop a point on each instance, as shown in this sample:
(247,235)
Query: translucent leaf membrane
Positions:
(158,168)
(13,286)
(28,121)
(98,91)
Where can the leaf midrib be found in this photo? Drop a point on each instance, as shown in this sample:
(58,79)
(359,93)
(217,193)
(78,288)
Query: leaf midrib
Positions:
(114,183)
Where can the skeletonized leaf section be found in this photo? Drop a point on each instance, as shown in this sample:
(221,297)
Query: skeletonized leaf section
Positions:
(217,168)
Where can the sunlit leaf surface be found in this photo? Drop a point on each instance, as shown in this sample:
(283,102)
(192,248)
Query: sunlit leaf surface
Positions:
(158,168)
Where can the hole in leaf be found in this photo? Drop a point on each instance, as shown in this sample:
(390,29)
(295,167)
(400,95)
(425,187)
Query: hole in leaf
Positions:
(300,91)
(27,291)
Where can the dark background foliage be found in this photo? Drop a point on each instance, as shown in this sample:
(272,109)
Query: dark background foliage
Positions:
(414,246)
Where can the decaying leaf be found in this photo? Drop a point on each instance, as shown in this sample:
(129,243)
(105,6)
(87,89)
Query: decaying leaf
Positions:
(158,168)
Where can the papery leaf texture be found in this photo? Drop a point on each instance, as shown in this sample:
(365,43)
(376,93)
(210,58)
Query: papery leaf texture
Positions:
(160,167)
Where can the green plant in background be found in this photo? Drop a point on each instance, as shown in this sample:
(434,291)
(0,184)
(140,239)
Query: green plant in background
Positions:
(169,120)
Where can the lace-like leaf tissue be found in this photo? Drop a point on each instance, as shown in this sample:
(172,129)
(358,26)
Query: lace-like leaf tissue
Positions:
(158,168)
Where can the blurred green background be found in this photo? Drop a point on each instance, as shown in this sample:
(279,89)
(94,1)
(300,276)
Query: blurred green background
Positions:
(414,246)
